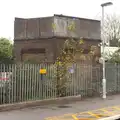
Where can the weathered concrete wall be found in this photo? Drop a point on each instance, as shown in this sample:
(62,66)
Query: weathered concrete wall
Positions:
(27,44)
(53,47)
(19,28)
(43,27)
(33,28)
(83,27)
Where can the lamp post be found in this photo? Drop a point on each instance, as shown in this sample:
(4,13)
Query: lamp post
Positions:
(103,47)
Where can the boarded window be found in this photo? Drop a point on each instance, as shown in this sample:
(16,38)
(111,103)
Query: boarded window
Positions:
(34,55)
(33,50)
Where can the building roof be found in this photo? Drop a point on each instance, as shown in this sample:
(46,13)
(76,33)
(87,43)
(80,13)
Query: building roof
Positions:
(73,17)
(61,15)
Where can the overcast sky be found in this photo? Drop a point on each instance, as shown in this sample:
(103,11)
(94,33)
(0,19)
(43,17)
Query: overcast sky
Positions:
(10,9)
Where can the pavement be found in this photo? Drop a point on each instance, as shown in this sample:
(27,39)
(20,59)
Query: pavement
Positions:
(87,108)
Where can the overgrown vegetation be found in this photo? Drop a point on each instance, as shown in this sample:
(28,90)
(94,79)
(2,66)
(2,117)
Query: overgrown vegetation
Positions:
(67,57)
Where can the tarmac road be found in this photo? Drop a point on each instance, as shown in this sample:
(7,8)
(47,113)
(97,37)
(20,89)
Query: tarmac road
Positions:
(42,112)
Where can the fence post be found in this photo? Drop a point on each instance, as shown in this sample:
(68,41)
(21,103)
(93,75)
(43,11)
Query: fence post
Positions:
(117,78)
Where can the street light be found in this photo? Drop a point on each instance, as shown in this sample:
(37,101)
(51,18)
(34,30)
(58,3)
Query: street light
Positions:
(103,47)
(106,4)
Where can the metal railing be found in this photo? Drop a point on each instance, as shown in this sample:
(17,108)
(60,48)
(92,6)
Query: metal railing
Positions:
(23,82)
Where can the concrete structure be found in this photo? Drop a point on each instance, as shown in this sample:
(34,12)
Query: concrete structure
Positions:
(42,38)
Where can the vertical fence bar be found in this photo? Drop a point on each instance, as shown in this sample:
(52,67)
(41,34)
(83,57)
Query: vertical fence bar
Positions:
(23,76)
(118,78)
(99,80)
(91,81)
(15,82)
(13,85)
(39,79)
(87,72)
(29,82)
(21,83)
(46,84)
(84,81)
(53,80)
(26,82)
(48,81)
(10,82)
(74,81)
(35,90)
(36,82)
(33,81)
(1,92)
(41,92)
(3,85)
(14,77)
(37,69)
(79,74)
(77,77)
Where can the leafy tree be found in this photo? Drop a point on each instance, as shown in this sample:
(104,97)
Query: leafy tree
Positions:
(6,49)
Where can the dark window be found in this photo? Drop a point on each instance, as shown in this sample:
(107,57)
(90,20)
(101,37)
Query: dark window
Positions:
(69,50)
(33,50)
(86,51)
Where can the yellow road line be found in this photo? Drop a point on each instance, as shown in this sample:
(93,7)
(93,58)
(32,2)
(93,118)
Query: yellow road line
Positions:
(75,118)
(107,111)
(117,108)
(93,110)
(92,114)
(69,114)
(89,112)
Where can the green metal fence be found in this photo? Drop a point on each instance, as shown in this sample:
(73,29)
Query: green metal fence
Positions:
(23,82)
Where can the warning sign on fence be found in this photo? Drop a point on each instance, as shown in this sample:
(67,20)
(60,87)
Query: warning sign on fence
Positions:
(42,71)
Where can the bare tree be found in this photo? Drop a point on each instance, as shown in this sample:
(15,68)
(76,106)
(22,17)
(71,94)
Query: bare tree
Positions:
(112,30)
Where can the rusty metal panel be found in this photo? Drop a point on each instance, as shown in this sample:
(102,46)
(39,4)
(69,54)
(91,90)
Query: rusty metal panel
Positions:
(46,29)
(60,26)
(19,28)
(32,28)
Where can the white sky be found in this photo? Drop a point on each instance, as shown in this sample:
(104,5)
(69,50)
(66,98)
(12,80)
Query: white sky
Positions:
(37,8)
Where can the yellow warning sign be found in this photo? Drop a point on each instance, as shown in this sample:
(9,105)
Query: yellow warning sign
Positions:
(42,71)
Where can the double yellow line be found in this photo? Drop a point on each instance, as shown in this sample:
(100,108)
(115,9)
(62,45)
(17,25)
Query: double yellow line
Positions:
(91,113)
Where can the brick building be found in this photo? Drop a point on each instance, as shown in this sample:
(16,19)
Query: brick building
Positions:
(35,38)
